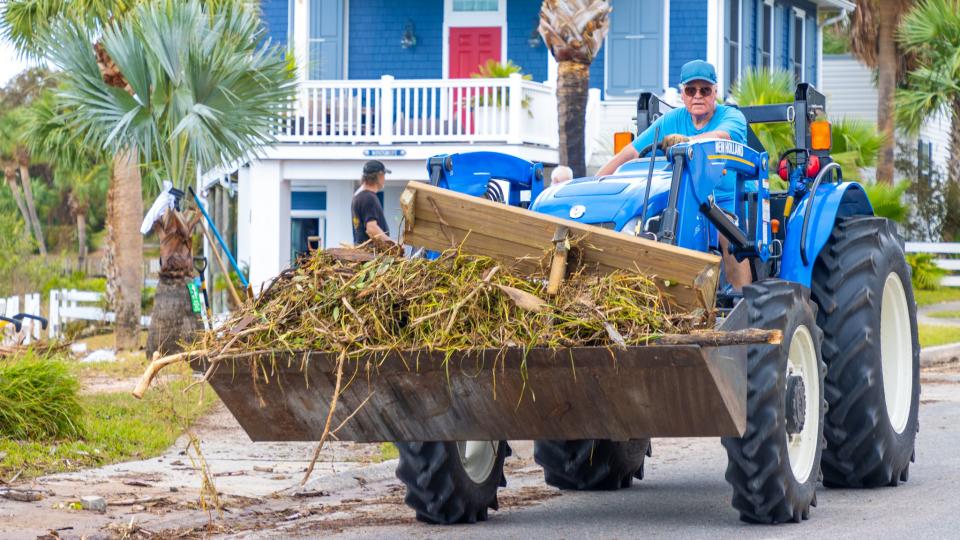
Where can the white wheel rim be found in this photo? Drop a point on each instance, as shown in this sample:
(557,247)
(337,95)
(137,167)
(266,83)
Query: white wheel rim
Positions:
(896,352)
(477,458)
(802,362)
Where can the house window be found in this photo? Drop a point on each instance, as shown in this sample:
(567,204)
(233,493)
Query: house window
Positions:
(766,36)
(731,43)
(475,5)
(799,46)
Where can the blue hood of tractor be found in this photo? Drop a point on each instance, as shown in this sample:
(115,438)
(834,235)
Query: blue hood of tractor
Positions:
(609,201)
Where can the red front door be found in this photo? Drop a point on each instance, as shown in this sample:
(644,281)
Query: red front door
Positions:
(472,47)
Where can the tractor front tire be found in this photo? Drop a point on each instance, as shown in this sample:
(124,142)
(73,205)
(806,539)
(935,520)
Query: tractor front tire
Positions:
(591,464)
(452,482)
(861,283)
(773,468)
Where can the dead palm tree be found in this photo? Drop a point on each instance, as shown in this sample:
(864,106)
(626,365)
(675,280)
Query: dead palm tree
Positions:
(574,31)
(26,23)
(873,40)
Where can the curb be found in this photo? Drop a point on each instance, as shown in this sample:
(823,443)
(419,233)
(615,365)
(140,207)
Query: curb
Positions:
(348,479)
(941,354)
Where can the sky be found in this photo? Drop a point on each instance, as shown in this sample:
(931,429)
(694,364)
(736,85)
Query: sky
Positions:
(10,64)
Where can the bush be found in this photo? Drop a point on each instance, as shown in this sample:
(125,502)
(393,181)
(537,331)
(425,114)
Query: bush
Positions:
(924,272)
(887,200)
(20,271)
(38,398)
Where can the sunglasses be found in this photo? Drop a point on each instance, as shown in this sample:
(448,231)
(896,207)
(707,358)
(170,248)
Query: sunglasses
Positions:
(692,91)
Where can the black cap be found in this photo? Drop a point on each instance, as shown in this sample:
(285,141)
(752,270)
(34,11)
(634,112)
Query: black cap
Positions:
(374,166)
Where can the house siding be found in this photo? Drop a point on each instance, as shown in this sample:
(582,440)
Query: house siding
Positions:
(376,27)
(275,15)
(523,16)
(688,35)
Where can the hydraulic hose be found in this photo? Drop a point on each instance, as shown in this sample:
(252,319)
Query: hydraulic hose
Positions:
(809,209)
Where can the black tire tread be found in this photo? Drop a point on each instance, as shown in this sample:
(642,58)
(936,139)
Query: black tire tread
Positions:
(591,464)
(764,489)
(862,449)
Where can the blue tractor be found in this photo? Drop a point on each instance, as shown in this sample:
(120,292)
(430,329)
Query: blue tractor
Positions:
(836,401)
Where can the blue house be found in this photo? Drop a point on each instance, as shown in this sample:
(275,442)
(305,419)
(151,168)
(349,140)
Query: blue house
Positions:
(391,80)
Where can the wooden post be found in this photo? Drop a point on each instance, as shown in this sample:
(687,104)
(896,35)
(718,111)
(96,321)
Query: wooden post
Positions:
(558,266)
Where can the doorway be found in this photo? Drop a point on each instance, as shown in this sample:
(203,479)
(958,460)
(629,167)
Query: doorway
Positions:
(307,234)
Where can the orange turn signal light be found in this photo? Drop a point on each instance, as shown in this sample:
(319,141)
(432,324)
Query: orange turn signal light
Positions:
(775,225)
(620,140)
(820,135)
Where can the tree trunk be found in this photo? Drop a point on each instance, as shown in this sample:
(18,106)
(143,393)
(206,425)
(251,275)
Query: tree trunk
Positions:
(951,221)
(887,63)
(10,174)
(81,239)
(173,322)
(32,208)
(125,248)
(573,81)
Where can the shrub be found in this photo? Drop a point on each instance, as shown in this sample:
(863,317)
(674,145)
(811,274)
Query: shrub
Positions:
(38,398)
(887,200)
(924,272)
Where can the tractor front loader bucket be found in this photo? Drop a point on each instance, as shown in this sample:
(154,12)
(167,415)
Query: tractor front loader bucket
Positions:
(580,393)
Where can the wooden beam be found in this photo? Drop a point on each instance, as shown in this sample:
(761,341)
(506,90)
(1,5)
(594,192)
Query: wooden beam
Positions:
(524,241)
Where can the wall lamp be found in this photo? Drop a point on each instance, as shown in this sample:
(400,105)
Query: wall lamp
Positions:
(409,38)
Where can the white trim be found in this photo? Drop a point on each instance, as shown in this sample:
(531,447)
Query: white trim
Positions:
(345,41)
(770,33)
(713,34)
(665,37)
(720,44)
(472,19)
(802,15)
(319,215)
(819,48)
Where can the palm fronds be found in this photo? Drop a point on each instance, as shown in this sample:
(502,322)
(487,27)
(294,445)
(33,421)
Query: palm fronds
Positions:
(202,91)
(887,200)
(924,272)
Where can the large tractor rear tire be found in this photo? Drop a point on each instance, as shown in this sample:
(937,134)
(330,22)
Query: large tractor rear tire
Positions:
(452,482)
(774,467)
(861,283)
(591,464)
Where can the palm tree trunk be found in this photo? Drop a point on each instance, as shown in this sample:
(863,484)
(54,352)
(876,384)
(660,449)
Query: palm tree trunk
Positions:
(81,238)
(173,321)
(950,229)
(573,81)
(125,248)
(887,64)
(953,161)
(32,208)
(10,175)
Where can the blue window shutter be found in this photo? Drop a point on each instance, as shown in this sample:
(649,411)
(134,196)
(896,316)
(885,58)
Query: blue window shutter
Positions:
(635,41)
(749,45)
(782,34)
(326,39)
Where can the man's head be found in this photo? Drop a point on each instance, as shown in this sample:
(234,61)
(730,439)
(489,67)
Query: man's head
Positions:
(374,174)
(698,87)
(560,174)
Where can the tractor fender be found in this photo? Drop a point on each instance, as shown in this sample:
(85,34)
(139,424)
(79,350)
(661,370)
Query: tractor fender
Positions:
(832,202)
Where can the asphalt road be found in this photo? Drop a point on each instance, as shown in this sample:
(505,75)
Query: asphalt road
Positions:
(685,496)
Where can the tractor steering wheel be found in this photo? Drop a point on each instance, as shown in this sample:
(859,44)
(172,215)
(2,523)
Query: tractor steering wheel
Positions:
(647,150)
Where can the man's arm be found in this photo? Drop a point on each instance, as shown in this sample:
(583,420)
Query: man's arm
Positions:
(375,232)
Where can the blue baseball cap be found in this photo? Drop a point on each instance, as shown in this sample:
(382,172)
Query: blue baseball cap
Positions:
(698,70)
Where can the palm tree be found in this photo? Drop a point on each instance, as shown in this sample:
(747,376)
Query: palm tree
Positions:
(931,32)
(574,31)
(26,23)
(204,94)
(872,30)
(8,135)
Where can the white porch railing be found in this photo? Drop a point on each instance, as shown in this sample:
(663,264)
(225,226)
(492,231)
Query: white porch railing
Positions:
(390,111)
(30,330)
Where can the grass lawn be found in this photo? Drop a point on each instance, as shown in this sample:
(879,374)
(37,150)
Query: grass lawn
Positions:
(116,427)
(944,314)
(931,335)
(943,294)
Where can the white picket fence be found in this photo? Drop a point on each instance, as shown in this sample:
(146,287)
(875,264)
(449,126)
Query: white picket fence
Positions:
(948,258)
(70,304)
(30,331)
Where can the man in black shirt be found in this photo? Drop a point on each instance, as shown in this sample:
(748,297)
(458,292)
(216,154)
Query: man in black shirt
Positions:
(369,221)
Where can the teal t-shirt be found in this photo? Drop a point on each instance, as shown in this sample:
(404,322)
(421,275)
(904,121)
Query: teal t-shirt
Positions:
(725,118)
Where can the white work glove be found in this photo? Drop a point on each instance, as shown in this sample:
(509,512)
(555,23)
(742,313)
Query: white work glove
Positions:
(161,204)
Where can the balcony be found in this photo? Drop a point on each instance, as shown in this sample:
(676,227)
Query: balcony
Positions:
(389,111)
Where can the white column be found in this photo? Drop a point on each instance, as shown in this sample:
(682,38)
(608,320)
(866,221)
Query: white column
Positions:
(715,37)
(243,216)
(515,109)
(339,220)
(269,236)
